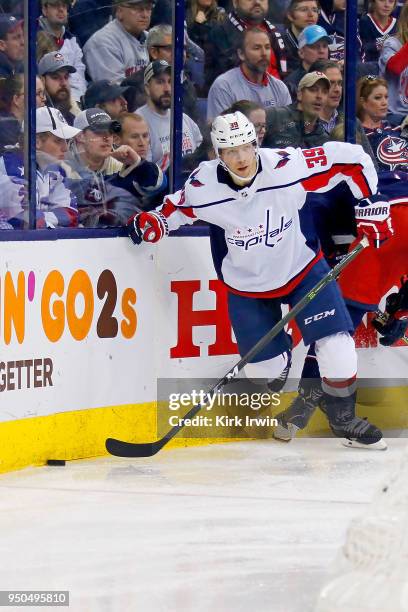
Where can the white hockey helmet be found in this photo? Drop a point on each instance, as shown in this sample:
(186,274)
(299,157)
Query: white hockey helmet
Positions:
(232,130)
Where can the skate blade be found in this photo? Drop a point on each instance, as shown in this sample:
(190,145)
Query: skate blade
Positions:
(380,445)
(285,434)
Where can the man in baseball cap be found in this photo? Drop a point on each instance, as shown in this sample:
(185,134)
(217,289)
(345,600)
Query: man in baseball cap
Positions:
(52,132)
(313,45)
(108,182)
(156,113)
(298,125)
(106,95)
(56,72)
(312,95)
(118,50)
(11,45)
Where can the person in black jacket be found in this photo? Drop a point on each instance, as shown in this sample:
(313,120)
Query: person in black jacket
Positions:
(11,45)
(221,53)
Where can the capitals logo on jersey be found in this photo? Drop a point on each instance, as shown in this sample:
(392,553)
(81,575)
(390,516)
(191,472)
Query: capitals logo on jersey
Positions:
(393,152)
(284,159)
(267,234)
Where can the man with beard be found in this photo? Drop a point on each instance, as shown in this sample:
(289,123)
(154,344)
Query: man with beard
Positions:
(223,40)
(54,20)
(56,72)
(250,81)
(119,49)
(156,112)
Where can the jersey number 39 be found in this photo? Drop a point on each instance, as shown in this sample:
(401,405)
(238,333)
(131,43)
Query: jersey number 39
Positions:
(315,157)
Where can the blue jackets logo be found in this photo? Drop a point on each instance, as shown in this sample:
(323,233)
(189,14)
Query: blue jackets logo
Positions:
(266,234)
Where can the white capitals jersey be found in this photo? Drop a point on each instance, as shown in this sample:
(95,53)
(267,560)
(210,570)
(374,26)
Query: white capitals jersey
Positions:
(262,239)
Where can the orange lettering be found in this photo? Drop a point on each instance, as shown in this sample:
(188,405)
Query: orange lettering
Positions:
(129,324)
(14,307)
(80,284)
(53,323)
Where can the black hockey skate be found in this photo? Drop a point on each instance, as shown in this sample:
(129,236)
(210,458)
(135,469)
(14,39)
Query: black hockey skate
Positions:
(359,433)
(300,411)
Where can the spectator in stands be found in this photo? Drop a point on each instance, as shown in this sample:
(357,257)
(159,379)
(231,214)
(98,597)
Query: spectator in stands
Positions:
(255,113)
(221,54)
(159,46)
(202,16)
(389,143)
(329,115)
(134,133)
(394,68)
(109,183)
(331,18)
(56,70)
(299,125)
(106,95)
(87,17)
(119,48)
(11,46)
(54,20)
(376,26)
(250,81)
(156,112)
(313,45)
(56,205)
(11,110)
(300,14)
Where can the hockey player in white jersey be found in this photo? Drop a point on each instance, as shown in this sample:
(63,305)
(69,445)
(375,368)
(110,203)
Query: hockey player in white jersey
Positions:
(266,252)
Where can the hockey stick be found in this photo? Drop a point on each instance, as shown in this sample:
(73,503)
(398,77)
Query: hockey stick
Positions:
(131,449)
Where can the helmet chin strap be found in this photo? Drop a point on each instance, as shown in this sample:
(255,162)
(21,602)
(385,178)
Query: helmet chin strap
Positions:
(240,180)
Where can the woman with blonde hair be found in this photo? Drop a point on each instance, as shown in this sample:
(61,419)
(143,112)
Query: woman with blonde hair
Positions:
(389,143)
(201,17)
(394,67)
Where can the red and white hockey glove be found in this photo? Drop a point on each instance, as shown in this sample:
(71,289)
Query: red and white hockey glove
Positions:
(147,226)
(373,219)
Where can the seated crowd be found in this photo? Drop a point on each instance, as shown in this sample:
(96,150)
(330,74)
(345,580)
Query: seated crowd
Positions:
(104,87)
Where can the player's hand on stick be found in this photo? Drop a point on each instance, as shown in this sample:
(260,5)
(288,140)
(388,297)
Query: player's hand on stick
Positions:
(373,219)
(147,226)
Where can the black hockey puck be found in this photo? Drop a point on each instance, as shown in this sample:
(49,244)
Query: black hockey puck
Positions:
(55,461)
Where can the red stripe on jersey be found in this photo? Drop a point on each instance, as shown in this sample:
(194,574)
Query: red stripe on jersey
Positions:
(169,208)
(340,384)
(317,181)
(285,289)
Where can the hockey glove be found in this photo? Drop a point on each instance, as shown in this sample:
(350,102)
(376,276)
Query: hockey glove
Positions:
(393,322)
(147,226)
(373,219)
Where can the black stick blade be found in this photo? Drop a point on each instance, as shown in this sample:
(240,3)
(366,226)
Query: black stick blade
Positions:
(130,449)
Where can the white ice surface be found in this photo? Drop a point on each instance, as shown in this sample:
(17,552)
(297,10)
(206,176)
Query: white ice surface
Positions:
(237,527)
